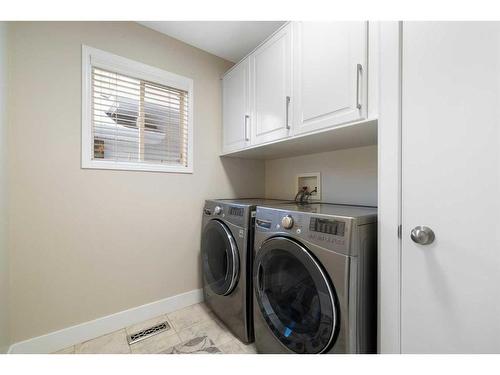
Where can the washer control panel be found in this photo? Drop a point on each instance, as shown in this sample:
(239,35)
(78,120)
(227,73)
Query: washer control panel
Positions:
(324,230)
(327,226)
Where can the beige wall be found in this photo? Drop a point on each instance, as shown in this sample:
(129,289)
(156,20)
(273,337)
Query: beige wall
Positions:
(347,176)
(4,274)
(88,243)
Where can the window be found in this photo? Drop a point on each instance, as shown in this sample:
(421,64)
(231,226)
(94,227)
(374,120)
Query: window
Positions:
(135,117)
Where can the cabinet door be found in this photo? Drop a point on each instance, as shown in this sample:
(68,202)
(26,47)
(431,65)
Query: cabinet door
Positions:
(330,74)
(271,78)
(235,114)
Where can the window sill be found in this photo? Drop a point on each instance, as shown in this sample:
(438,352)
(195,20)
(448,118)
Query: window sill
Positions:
(144,167)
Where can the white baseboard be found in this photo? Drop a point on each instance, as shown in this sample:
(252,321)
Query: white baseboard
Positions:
(66,337)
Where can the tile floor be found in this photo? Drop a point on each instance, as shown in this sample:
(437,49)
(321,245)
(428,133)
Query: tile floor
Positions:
(193,329)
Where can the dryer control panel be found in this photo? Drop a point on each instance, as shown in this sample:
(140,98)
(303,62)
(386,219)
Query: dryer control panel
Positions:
(238,215)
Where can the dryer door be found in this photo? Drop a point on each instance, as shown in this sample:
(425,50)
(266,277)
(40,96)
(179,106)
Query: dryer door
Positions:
(219,257)
(295,296)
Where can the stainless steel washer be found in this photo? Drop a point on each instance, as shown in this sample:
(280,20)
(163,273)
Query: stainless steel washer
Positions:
(227,258)
(315,275)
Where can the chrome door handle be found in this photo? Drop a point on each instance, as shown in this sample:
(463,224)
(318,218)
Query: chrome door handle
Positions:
(359,69)
(422,235)
(247,137)
(287,105)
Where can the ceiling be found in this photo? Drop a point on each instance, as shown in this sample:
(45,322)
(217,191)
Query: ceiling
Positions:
(231,40)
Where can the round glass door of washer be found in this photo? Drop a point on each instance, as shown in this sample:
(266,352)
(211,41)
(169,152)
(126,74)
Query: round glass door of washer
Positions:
(295,296)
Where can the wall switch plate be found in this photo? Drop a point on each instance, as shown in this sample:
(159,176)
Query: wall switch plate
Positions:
(311,181)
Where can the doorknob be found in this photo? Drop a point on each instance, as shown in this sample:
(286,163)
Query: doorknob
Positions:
(422,235)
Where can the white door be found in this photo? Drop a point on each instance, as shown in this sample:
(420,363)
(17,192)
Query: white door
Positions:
(451,183)
(235,108)
(330,74)
(271,77)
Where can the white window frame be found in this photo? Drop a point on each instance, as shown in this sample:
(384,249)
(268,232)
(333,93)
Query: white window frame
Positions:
(92,57)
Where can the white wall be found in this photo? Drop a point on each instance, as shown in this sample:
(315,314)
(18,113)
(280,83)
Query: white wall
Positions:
(347,176)
(4,275)
(88,243)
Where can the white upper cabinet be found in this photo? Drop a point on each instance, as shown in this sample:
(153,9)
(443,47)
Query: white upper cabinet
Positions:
(330,74)
(235,108)
(307,77)
(271,79)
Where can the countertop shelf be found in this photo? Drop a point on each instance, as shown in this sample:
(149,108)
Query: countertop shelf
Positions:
(359,134)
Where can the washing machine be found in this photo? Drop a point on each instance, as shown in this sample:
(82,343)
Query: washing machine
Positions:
(227,258)
(315,279)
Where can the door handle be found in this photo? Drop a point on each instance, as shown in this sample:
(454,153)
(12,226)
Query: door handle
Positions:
(287,106)
(359,69)
(422,235)
(247,136)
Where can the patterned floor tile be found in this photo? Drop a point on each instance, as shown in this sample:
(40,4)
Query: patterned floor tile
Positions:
(208,328)
(113,343)
(233,347)
(156,344)
(194,329)
(196,345)
(189,316)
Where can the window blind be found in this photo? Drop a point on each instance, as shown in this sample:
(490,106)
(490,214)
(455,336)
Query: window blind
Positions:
(134,120)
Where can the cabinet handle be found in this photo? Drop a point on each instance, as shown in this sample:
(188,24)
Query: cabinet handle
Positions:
(247,137)
(359,69)
(287,125)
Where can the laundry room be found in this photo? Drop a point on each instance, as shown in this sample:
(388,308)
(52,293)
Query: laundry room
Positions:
(247,186)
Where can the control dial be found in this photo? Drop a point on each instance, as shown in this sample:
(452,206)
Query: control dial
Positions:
(287,222)
(217,210)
